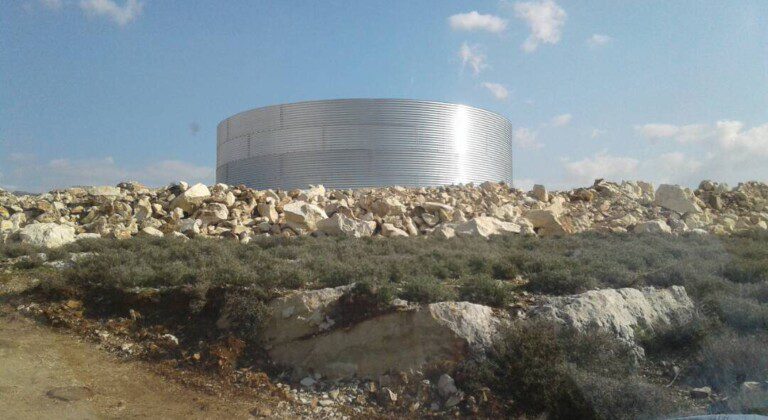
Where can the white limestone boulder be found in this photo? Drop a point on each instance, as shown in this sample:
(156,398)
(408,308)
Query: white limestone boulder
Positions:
(49,235)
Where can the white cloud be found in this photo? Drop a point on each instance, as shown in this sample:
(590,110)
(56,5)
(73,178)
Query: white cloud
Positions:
(598,40)
(601,165)
(497,90)
(64,172)
(544,18)
(526,139)
(672,167)
(52,4)
(744,144)
(121,15)
(471,55)
(562,120)
(680,133)
(474,21)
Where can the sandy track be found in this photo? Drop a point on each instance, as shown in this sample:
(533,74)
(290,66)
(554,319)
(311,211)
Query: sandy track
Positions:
(35,359)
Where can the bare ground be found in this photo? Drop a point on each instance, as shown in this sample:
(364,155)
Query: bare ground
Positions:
(35,359)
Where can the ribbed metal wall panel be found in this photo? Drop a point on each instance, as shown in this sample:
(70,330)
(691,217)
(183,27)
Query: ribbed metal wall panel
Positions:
(355,143)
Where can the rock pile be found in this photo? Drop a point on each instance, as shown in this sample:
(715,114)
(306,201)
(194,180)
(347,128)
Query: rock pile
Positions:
(241,213)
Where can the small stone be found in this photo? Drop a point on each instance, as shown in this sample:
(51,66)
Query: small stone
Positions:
(446,386)
(308,382)
(701,393)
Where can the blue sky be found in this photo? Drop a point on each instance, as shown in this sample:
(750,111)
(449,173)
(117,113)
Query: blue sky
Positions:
(98,91)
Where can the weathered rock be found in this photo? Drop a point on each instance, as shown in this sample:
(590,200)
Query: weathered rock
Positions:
(485,227)
(341,225)
(151,231)
(620,311)
(539,192)
(652,226)
(546,222)
(445,231)
(104,191)
(267,210)
(388,206)
(299,314)
(49,235)
(402,340)
(676,198)
(190,199)
(389,230)
(303,216)
(212,213)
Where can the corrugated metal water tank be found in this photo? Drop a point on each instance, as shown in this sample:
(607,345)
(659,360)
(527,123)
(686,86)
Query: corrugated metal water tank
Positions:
(355,143)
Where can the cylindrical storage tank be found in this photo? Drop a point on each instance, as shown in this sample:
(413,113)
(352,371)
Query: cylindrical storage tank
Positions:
(354,143)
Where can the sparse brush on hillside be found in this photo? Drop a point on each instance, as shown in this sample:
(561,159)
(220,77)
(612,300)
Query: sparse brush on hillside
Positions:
(543,367)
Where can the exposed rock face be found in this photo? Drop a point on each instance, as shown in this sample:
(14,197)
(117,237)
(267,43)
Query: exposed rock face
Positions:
(341,225)
(240,213)
(302,216)
(300,334)
(485,227)
(620,311)
(49,235)
(300,314)
(546,222)
(191,198)
(677,199)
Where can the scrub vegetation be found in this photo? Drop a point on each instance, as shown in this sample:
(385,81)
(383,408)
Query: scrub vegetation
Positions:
(540,366)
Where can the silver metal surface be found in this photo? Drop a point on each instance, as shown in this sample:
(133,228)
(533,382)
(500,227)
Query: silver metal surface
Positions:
(355,143)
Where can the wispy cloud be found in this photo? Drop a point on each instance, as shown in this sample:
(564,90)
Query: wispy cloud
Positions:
(497,90)
(562,120)
(545,20)
(680,133)
(599,40)
(601,165)
(121,15)
(526,139)
(472,56)
(474,21)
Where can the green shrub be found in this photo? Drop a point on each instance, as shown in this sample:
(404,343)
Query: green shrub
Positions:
(728,359)
(675,339)
(425,289)
(546,368)
(742,314)
(485,290)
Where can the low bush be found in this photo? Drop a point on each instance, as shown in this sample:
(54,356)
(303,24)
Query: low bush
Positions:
(728,359)
(675,339)
(424,289)
(547,368)
(485,290)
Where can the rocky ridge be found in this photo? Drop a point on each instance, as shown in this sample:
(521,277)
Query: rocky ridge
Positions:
(240,213)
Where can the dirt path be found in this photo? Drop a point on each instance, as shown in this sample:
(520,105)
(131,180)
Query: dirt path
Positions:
(36,360)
